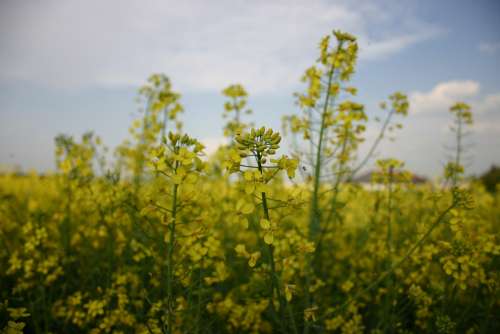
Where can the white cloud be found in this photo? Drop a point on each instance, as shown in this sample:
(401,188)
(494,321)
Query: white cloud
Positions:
(487,118)
(490,48)
(202,45)
(443,95)
(386,47)
(487,127)
(212,144)
(491,103)
(485,108)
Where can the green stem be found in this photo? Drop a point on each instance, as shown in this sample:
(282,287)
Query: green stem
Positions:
(458,152)
(275,284)
(390,282)
(314,219)
(198,298)
(142,143)
(317,259)
(164,125)
(314,227)
(374,146)
(292,319)
(170,271)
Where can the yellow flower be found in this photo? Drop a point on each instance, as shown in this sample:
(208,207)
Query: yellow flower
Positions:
(241,250)
(244,207)
(310,313)
(265,224)
(253,259)
(347,286)
(289,289)
(17,313)
(14,327)
(269,237)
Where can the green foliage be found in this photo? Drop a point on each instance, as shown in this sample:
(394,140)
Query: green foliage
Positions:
(491,179)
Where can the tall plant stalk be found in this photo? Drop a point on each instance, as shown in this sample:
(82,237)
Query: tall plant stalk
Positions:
(170,256)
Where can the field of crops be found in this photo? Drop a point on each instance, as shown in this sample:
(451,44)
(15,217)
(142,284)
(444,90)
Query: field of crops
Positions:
(165,239)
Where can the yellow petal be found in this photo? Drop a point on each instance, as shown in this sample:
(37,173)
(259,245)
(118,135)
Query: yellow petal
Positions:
(265,224)
(249,188)
(247,208)
(177,179)
(252,262)
(244,222)
(288,293)
(248,175)
(253,259)
(269,238)
(240,204)
(241,250)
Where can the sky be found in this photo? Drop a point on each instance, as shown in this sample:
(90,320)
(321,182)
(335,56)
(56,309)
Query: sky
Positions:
(73,66)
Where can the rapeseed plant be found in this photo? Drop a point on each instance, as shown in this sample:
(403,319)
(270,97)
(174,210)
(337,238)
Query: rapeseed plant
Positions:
(162,240)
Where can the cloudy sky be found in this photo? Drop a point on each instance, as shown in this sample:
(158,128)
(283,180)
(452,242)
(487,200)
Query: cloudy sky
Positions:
(71,66)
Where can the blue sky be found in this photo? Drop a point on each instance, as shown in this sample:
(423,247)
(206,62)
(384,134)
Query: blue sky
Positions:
(72,66)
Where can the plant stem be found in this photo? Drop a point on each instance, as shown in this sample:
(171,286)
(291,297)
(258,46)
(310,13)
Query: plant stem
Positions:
(374,146)
(275,284)
(317,259)
(314,226)
(164,125)
(170,271)
(459,151)
(314,219)
(390,281)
